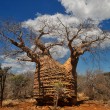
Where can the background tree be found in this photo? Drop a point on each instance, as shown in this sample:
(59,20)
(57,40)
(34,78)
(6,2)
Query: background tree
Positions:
(3,74)
(95,85)
(19,86)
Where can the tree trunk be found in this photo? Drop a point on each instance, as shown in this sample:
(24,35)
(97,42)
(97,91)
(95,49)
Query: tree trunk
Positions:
(1,90)
(39,81)
(3,78)
(74,62)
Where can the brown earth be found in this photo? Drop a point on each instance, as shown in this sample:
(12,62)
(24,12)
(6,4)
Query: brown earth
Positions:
(31,105)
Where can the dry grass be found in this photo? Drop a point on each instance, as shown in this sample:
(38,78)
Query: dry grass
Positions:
(82,96)
(29,104)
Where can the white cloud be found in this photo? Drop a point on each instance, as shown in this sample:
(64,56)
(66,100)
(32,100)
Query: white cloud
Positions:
(40,21)
(22,67)
(80,10)
(17,67)
(77,12)
(58,52)
(95,9)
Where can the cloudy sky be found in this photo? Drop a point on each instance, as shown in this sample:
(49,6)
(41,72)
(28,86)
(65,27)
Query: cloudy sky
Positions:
(28,10)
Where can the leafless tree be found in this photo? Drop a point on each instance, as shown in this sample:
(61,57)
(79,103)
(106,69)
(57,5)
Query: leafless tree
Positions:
(3,74)
(22,41)
(78,38)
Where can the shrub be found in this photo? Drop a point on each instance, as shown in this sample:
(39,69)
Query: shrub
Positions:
(95,85)
(19,86)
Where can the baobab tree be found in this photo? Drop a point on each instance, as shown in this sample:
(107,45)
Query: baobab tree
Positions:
(17,40)
(77,37)
(85,37)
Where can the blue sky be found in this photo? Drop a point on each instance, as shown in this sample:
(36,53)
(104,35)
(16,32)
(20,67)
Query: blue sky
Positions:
(22,10)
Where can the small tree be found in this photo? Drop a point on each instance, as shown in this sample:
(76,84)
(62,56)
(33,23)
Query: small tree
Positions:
(59,92)
(3,74)
(18,85)
(97,85)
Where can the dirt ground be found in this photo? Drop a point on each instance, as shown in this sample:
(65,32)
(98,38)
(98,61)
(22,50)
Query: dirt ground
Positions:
(30,104)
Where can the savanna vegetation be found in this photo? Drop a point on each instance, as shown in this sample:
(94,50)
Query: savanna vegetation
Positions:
(94,85)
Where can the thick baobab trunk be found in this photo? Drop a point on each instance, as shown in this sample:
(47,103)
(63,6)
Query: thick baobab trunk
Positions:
(74,62)
(37,80)
(51,73)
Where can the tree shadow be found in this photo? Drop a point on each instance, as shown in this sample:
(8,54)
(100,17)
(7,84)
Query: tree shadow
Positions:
(61,103)
(80,102)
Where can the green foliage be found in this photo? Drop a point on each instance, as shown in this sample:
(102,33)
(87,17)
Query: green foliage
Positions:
(19,81)
(58,86)
(19,86)
(59,92)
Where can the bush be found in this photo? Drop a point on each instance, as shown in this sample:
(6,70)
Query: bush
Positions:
(19,86)
(95,85)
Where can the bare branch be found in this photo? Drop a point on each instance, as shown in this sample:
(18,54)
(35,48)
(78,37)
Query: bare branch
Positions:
(29,60)
(66,30)
(54,44)
(75,36)
(21,45)
(14,53)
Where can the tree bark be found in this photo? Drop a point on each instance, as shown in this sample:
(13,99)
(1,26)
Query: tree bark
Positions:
(38,72)
(3,78)
(74,62)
